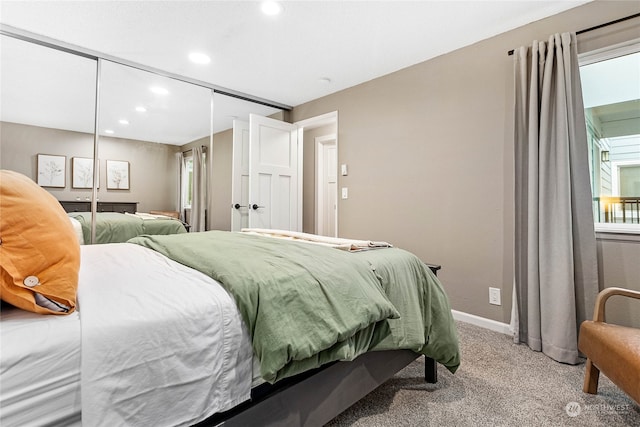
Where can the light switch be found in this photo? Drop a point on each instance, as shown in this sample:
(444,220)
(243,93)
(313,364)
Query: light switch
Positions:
(343,169)
(345,193)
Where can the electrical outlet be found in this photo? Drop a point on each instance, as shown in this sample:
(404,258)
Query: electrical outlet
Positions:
(494,296)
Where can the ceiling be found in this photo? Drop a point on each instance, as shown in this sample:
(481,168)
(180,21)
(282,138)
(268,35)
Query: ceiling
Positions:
(312,49)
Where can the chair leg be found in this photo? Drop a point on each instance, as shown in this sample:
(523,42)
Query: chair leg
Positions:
(591,376)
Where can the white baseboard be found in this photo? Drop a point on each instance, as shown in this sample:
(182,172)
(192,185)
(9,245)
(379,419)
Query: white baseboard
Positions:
(492,325)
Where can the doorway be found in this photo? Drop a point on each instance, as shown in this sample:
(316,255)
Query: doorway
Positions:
(320,181)
(326,186)
(266,181)
(324,128)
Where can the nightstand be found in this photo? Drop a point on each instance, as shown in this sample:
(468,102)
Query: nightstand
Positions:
(433,267)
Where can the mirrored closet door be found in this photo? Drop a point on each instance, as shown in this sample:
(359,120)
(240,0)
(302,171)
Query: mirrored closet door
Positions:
(159,147)
(47,118)
(145,120)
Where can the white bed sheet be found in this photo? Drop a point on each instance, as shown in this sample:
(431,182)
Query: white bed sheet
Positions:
(39,368)
(162,344)
(77,228)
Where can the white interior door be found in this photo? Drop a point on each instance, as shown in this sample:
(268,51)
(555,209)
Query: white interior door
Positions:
(275,191)
(327,186)
(240,176)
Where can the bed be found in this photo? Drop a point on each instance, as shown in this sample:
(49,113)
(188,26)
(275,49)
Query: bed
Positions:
(115,227)
(203,328)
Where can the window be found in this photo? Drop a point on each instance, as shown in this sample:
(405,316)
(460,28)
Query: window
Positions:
(187,177)
(611,93)
(187,181)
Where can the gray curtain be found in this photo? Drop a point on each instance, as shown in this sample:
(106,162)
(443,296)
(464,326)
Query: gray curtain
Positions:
(199,196)
(556,278)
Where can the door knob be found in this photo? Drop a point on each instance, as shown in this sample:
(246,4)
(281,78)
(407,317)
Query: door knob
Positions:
(255,207)
(238,206)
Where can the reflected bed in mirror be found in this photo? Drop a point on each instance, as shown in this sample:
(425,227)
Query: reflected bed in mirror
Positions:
(116,227)
(117,222)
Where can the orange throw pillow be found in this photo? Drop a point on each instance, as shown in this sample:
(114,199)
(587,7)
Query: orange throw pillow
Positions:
(39,251)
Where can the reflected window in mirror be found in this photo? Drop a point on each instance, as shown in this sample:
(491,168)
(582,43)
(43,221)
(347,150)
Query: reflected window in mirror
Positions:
(187,181)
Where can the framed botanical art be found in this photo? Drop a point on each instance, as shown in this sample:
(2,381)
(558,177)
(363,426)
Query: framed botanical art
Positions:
(117,175)
(52,170)
(82,172)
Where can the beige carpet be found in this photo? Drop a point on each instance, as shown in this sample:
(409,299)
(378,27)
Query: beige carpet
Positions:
(498,384)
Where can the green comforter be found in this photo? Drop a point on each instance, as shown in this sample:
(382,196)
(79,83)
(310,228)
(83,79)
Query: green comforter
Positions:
(113,227)
(307,305)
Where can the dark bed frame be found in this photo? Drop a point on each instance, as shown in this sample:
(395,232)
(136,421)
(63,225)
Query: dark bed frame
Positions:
(316,397)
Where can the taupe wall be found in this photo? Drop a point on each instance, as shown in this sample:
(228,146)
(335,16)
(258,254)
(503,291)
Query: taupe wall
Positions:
(153,170)
(430,156)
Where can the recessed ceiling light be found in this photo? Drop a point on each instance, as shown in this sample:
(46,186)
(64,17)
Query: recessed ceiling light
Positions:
(109,131)
(141,109)
(123,121)
(199,58)
(271,8)
(158,90)
(324,80)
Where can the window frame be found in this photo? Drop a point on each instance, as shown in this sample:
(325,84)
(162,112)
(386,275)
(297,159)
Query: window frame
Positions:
(611,231)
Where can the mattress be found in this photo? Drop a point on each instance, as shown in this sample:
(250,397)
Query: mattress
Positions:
(39,368)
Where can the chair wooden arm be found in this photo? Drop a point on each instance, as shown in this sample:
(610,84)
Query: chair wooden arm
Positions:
(603,296)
